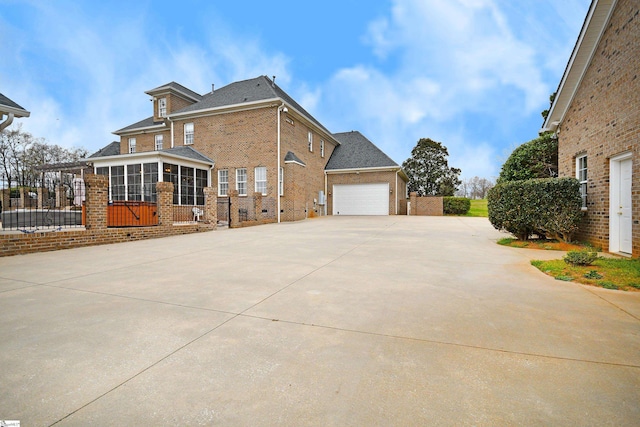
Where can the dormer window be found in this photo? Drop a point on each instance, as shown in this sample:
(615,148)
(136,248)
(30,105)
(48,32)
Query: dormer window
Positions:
(162,107)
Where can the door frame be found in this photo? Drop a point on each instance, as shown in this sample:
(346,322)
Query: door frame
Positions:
(614,200)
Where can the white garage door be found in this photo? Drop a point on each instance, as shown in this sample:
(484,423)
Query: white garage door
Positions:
(361,199)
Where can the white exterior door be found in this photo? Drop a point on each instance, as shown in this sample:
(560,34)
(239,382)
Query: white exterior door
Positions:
(620,212)
(361,199)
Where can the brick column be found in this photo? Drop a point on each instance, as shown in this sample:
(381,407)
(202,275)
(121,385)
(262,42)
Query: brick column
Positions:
(257,205)
(61,197)
(96,201)
(211,206)
(413,198)
(234,214)
(165,203)
(41,197)
(6,199)
(23,197)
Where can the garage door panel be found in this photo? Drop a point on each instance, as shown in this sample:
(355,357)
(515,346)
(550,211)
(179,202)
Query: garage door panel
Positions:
(361,199)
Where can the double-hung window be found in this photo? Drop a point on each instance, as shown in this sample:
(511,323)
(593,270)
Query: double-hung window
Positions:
(223,182)
(261,180)
(162,107)
(310,140)
(241,181)
(159,141)
(581,175)
(188,133)
(322,148)
(132,145)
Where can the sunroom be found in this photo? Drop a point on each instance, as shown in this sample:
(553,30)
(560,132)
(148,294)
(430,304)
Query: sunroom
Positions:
(133,178)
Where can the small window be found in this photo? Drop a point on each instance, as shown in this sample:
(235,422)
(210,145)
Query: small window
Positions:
(281,182)
(310,139)
(581,175)
(188,133)
(241,181)
(321,148)
(261,180)
(132,145)
(162,107)
(223,182)
(159,141)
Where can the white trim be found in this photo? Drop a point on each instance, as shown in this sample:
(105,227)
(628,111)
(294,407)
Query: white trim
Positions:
(225,108)
(370,169)
(219,183)
(139,131)
(614,184)
(192,133)
(579,61)
(295,162)
(133,158)
(17,112)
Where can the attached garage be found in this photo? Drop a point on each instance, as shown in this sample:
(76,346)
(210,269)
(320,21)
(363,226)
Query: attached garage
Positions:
(361,199)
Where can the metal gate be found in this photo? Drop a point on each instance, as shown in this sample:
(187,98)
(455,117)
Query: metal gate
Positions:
(224,207)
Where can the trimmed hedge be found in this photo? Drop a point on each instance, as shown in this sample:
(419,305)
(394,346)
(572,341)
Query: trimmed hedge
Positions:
(548,207)
(456,205)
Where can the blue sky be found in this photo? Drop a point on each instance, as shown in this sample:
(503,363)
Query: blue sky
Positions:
(472,74)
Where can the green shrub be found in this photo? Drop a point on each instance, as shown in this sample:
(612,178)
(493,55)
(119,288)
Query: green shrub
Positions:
(580,257)
(537,158)
(456,205)
(548,207)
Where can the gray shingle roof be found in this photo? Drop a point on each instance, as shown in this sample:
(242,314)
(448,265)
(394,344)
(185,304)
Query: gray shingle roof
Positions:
(145,123)
(4,101)
(291,157)
(356,151)
(112,149)
(252,90)
(176,87)
(189,153)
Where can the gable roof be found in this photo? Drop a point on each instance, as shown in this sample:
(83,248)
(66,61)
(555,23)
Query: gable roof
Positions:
(292,158)
(593,27)
(7,106)
(357,152)
(142,124)
(176,88)
(253,90)
(113,149)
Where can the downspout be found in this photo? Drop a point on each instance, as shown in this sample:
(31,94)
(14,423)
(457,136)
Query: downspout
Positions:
(326,195)
(278,171)
(397,191)
(7,122)
(171,132)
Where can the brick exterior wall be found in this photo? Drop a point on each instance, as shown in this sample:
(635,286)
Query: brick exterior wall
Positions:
(370,178)
(603,121)
(426,205)
(96,231)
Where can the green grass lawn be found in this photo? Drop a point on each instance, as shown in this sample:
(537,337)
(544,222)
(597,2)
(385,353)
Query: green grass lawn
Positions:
(478,208)
(610,273)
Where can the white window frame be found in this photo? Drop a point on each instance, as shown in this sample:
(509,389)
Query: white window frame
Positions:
(162,107)
(223,184)
(241,178)
(310,140)
(322,148)
(189,133)
(158,142)
(260,177)
(281,182)
(582,168)
(132,145)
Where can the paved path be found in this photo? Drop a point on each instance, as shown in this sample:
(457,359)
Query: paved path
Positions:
(334,321)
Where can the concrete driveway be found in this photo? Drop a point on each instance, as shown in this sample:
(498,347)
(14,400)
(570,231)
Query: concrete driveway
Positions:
(339,321)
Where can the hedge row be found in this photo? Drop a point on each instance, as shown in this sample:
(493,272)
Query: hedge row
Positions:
(456,205)
(548,207)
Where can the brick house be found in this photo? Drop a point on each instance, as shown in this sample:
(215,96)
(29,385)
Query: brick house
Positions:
(596,116)
(250,137)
